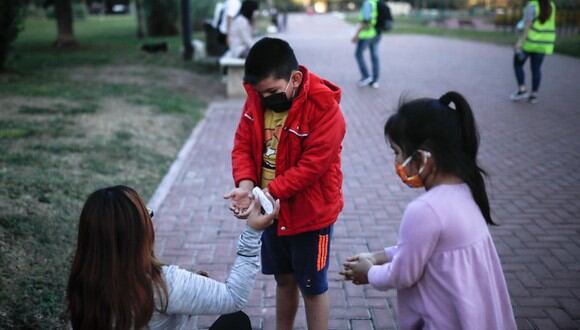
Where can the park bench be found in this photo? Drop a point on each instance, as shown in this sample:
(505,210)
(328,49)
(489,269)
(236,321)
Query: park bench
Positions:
(234,68)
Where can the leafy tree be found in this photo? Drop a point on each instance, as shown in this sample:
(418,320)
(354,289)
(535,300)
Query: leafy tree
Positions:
(63,11)
(11,14)
(161,17)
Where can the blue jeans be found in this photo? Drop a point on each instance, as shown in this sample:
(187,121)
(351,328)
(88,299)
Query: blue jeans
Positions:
(361,46)
(536,60)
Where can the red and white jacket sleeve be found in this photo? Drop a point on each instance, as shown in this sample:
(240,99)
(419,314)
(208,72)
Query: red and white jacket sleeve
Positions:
(243,163)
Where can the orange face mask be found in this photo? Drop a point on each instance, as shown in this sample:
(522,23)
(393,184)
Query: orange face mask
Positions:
(413,181)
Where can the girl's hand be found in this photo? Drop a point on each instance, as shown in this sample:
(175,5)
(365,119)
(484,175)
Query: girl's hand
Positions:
(356,270)
(365,255)
(260,221)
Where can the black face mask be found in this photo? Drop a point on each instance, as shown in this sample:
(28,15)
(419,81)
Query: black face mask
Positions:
(278,102)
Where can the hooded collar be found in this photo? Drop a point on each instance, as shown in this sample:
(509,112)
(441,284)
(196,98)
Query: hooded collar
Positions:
(298,100)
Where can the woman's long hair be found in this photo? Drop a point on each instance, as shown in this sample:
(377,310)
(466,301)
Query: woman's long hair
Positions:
(248,8)
(545,10)
(115,277)
(449,134)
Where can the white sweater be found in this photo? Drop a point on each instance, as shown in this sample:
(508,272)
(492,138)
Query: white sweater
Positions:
(240,37)
(192,294)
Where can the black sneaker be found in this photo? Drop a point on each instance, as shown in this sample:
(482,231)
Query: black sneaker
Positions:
(533,99)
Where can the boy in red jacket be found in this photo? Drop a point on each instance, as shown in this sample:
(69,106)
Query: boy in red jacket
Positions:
(288,142)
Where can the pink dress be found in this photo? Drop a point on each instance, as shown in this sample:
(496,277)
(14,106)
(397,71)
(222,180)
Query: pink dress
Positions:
(445,268)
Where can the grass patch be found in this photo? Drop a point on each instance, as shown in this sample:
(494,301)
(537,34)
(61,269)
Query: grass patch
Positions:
(58,109)
(568,45)
(72,122)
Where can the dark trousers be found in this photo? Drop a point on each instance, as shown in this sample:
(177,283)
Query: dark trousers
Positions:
(536,60)
(373,45)
(234,321)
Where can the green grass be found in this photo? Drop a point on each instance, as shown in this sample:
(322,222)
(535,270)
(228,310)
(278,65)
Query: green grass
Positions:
(569,45)
(70,124)
(102,40)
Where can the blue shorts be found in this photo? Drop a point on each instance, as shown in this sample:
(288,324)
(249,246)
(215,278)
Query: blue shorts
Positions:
(305,255)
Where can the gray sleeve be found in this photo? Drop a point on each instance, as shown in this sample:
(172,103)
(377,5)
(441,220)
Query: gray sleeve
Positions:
(529,13)
(192,294)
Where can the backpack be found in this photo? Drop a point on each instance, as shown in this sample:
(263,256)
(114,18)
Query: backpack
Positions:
(384,18)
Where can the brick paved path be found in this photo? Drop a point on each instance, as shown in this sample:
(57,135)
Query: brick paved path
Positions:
(532,153)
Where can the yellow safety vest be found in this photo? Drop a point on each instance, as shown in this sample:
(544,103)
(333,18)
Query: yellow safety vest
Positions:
(541,37)
(370,32)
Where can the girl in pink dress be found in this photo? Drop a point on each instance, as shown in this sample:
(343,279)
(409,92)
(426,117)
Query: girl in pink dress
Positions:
(445,267)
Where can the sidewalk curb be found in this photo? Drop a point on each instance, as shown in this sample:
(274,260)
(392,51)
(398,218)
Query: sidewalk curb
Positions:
(169,179)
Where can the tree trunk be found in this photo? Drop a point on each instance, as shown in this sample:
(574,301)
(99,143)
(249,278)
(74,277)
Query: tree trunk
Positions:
(64,22)
(186,30)
(140,19)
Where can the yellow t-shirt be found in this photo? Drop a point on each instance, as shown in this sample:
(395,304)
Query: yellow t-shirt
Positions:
(273,123)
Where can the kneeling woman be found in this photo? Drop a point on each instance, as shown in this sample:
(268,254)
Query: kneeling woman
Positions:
(117,283)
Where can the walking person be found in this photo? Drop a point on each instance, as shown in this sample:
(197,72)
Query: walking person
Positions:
(288,142)
(444,267)
(366,37)
(116,282)
(536,41)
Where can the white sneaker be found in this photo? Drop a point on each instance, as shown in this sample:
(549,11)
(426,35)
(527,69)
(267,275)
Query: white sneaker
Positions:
(519,95)
(375,85)
(364,82)
(533,99)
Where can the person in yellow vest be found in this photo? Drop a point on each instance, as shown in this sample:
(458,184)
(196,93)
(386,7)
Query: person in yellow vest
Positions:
(367,36)
(536,41)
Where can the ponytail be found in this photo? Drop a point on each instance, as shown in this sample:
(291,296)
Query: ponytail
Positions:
(470,172)
(470,137)
(545,11)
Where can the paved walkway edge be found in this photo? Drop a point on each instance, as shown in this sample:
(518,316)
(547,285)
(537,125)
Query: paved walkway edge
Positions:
(180,161)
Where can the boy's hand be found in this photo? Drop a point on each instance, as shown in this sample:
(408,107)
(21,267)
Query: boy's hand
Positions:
(356,269)
(260,221)
(241,202)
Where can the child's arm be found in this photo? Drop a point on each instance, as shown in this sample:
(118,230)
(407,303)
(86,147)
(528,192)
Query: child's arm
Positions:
(243,165)
(420,231)
(376,258)
(356,268)
(321,148)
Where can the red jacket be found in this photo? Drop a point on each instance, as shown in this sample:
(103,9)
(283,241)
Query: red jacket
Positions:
(308,178)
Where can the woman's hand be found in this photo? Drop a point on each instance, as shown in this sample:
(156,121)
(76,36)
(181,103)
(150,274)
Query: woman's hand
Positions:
(202,273)
(260,221)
